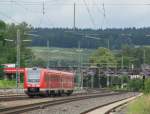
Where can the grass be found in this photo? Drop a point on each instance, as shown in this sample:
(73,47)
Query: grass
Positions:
(64,54)
(140,106)
(8,84)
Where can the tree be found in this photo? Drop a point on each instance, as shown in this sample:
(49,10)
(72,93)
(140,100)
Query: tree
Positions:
(2,25)
(8,51)
(103,57)
(39,63)
(26,53)
(135,84)
(136,56)
(147,86)
(2,31)
(2,35)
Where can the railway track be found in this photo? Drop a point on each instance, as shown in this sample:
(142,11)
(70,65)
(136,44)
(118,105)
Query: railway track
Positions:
(111,106)
(15,97)
(92,109)
(41,105)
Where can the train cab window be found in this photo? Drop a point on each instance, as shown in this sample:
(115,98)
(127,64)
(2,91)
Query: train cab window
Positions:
(34,75)
(33,80)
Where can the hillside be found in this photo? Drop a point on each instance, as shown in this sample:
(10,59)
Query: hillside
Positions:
(67,38)
(65,56)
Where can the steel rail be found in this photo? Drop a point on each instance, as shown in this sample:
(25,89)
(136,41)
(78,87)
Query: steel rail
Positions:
(103,105)
(23,96)
(13,97)
(42,105)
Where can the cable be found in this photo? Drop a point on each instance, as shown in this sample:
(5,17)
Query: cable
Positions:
(44,15)
(43,7)
(99,10)
(40,22)
(50,3)
(90,15)
(4,15)
(104,15)
(49,20)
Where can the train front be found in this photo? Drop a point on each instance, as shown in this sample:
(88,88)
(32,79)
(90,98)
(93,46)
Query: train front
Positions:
(32,81)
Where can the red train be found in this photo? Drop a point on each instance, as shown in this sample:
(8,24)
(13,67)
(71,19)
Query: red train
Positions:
(46,82)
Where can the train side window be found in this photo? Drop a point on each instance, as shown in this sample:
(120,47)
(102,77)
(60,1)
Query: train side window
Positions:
(54,78)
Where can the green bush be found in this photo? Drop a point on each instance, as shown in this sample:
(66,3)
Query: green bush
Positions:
(1,73)
(147,86)
(135,84)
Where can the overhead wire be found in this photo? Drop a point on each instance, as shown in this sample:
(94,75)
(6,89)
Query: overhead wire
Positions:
(44,16)
(8,17)
(51,3)
(43,13)
(49,21)
(90,15)
(101,12)
(43,7)
(27,10)
(104,15)
(40,21)
(23,4)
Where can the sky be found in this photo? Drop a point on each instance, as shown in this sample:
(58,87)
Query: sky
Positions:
(93,14)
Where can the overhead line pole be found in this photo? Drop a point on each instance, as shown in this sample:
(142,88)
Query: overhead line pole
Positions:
(18,59)
(79,48)
(122,62)
(18,46)
(144,55)
(74,20)
(48,54)
(108,43)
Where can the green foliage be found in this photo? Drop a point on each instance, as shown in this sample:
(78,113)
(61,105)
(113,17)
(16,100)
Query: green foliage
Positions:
(1,73)
(133,56)
(147,86)
(60,56)
(140,106)
(8,84)
(2,31)
(116,80)
(119,82)
(8,51)
(60,37)
(2,25)
(135,84)
(39,63)
(103,57)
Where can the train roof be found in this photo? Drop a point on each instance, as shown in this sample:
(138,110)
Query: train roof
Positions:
(50,70)
(58,71)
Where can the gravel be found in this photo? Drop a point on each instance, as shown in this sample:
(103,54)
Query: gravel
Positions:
(121,110)
(78,107)
(11,91)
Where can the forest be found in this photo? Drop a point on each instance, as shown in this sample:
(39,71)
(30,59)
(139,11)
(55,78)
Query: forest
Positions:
(127,47)
(89,38)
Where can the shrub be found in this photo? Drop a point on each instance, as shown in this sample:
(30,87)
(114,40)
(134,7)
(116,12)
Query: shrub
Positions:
(135,84)
(147,86)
